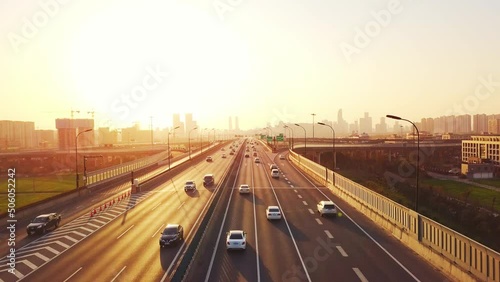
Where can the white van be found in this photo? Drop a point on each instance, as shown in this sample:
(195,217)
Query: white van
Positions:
(275,173)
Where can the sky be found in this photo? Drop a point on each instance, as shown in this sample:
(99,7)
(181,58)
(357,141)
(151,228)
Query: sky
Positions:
(263,61)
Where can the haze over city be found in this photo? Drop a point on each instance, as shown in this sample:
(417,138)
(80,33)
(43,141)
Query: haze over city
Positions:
(264,62)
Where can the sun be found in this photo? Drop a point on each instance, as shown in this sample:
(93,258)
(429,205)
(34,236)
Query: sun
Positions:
(115,49)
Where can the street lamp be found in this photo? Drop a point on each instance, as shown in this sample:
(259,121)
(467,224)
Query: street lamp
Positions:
(189,140)
(291,129)
(201,140)
(168,145)
(313,124)
(333,143)
(76,155)
(418,155)
(305,139)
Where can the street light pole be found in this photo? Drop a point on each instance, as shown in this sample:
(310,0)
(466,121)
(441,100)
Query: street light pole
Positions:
(168,145)
(333,144)
(189,140)
(305,139)
(418,156)
(76,156)
(313,115)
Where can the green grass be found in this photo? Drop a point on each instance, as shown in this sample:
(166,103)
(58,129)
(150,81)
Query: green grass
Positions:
(481,196)
(33,189)
(491,182)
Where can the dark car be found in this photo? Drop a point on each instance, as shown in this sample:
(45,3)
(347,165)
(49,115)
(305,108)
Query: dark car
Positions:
(173,233)
(43,222)
(208,179)
(209,159)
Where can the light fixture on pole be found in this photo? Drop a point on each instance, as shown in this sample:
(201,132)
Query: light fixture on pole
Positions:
(305,139)
(76,157)
(313,115)
(333,144)
(189,141)
(168,145)
(291,130)
(418,155)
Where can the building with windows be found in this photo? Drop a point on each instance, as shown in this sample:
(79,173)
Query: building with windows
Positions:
(481,156)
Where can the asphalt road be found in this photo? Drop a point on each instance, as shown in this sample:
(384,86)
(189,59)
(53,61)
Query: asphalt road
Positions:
(302,246)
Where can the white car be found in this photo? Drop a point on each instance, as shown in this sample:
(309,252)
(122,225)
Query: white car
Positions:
(275,173)
(236,239)
(257,160)
(273,166)
(327,207)
(190,186)
(273,212)
(223,156)
(244,188)
(282,157)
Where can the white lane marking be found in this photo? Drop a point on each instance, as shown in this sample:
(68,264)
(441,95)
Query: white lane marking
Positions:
(360,274)
(74,273)
(310,211)
(114,278)
(286,179)
(159,228)
(256,233)
(319,221)
(341,251)
(181,205)
(362,230)
(300,197)
(124,232)
(328,234)
(305,203)
(155,207)
(29,264)
(291,186)
(295,190)
(222,226)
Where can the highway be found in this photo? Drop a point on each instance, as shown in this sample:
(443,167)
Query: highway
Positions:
(302,246)
(121,243)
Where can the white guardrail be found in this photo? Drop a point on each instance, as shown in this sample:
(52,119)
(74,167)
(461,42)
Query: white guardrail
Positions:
(455,254)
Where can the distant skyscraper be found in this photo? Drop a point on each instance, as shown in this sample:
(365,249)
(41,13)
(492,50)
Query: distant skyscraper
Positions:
(365,124)
(480,123)
(236,123)
(230,123)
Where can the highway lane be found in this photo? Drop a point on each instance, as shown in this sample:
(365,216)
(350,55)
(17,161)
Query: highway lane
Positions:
(337,246)
(269,248)
(128,245)
(347,248)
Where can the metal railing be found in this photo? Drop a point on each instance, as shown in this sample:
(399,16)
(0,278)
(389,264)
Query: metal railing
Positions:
(451,247)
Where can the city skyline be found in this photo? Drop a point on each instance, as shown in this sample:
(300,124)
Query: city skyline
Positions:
(398,57)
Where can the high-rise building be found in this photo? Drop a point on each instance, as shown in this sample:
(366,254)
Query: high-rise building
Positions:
(177,123)
(480,123)
(230,123)
(236,123)
(463,124)
(381,127)
(494,126)
(67,130)
(19,134)
(365,124)
(342,126)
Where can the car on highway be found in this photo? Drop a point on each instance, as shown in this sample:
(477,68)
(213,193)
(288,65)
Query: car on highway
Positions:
(231,153)
(244,189)
(208,179)
(275,173)
(273,212)
(273,166)
(327,207)
(282,157)
(209,159)
(223,156)
(43,222)
(190,185)
(247,155)
(236,239)
(173,233)
(255,154)
(257,160)
(222,149)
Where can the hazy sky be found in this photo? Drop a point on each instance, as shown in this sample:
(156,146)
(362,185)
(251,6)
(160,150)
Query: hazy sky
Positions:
(263,61)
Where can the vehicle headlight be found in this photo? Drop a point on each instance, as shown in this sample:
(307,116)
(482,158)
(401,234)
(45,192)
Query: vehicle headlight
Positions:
(40,226)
